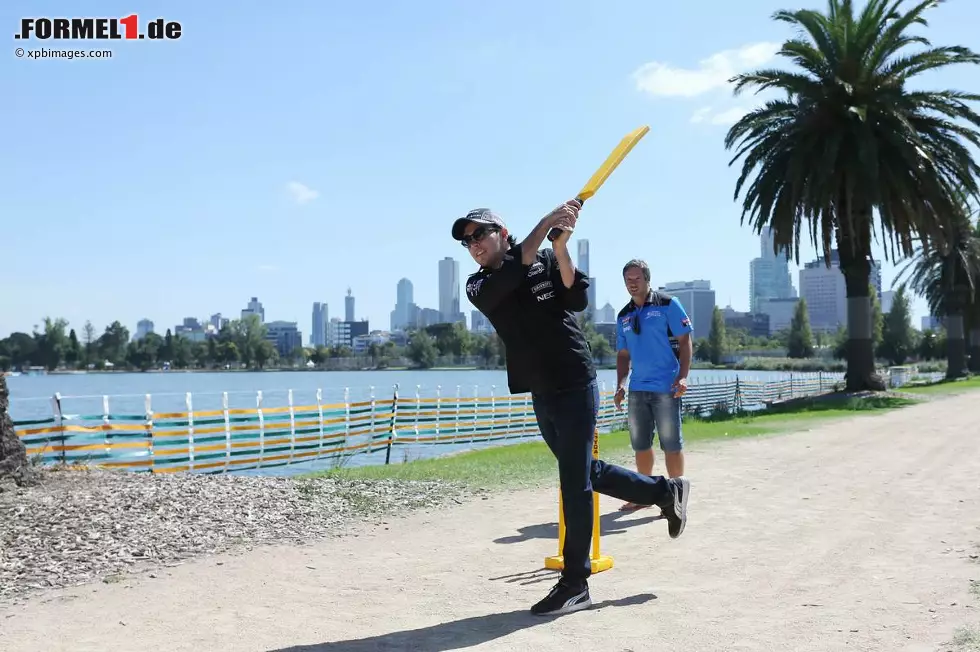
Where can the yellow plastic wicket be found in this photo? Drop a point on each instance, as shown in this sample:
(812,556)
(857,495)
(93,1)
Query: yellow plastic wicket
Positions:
(599,561)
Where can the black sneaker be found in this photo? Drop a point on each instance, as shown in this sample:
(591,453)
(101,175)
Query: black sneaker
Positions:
(564,598)
(676,511)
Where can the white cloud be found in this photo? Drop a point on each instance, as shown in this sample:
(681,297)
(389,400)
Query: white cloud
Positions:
(729,117)
(663,80)
(726,117)
(301,193)
(700,115)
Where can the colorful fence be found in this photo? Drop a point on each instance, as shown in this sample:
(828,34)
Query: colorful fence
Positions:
(231,437)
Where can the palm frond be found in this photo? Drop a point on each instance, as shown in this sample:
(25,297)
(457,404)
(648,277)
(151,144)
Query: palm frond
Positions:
(851,151)
(900,69)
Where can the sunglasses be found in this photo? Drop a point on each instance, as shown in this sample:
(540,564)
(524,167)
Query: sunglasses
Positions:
(635,322)
(478,234)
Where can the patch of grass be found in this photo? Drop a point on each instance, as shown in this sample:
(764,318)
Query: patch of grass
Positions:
(531,462)
(807,365)
(945,387)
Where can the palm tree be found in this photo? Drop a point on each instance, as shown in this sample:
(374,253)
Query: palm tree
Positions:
(949,278)
(851,147)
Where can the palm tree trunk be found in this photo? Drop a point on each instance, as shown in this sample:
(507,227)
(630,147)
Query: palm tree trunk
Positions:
(861,374)
(957,306)
(955,346)
(973,334)
(974,349)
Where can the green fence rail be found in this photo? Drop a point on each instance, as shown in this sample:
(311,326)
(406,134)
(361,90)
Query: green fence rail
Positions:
(226,438)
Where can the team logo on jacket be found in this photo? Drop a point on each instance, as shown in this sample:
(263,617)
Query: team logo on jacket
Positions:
(536,268)
(473,286)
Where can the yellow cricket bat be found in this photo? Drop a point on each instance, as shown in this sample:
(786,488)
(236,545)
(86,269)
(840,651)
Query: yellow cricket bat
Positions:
(607,167)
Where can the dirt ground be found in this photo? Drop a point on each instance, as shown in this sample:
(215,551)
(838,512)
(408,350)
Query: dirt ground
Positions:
(856,535)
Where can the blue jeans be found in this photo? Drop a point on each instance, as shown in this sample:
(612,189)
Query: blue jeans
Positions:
(567,420)
(660,411)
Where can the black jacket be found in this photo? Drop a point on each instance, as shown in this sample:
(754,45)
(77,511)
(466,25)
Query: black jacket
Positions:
(534,316)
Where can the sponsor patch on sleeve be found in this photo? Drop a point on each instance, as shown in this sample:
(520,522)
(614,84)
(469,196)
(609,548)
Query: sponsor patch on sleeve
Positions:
(473,287)
(686,322)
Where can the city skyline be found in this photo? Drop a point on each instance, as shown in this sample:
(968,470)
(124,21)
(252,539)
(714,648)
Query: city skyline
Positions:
(773,292)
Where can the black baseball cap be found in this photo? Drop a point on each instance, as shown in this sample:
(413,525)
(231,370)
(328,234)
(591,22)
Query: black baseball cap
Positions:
(483,216)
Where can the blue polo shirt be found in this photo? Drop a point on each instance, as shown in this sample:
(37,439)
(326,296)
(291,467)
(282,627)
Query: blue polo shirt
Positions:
(654,364)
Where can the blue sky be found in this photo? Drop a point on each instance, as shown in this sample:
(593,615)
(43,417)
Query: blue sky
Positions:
(292,150)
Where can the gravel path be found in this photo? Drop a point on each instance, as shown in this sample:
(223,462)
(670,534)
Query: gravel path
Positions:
(857,535)
(80,526)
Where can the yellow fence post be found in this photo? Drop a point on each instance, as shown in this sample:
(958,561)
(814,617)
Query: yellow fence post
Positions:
(598,561)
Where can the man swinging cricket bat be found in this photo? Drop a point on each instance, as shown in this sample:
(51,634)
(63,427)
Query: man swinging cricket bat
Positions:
(531,298)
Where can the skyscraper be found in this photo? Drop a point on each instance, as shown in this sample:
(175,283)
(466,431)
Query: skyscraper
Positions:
(318,335)
(349,306)
(825,292)
(449,291)
(583,264)
(254,308)
(583,256)
(769,276)
(143,328)
(405,314)
(698,300)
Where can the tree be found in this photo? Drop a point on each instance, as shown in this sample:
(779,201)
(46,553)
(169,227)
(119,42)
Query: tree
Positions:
(877,319)
(898,336)
(212,353)
(200,354)
(601,349)
(52,343)
(488,351)
(840,343)
(800,343)
(702,350)
(144,353)
(422,350)
(182,351)
(947,277)
(931,345)
(74,353)
(20,349)
(264,353)
(717,341)
(89,338)
(452,339)
(852,146)
(112,343)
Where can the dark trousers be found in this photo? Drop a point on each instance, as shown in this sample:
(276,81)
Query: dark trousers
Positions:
(567,420)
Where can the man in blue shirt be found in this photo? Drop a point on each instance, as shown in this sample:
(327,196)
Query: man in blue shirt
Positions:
(653,336)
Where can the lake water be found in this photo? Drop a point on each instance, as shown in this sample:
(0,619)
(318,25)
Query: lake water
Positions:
(82,394)
(84,391)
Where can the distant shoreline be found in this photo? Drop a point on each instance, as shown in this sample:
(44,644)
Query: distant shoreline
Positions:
(784,365)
